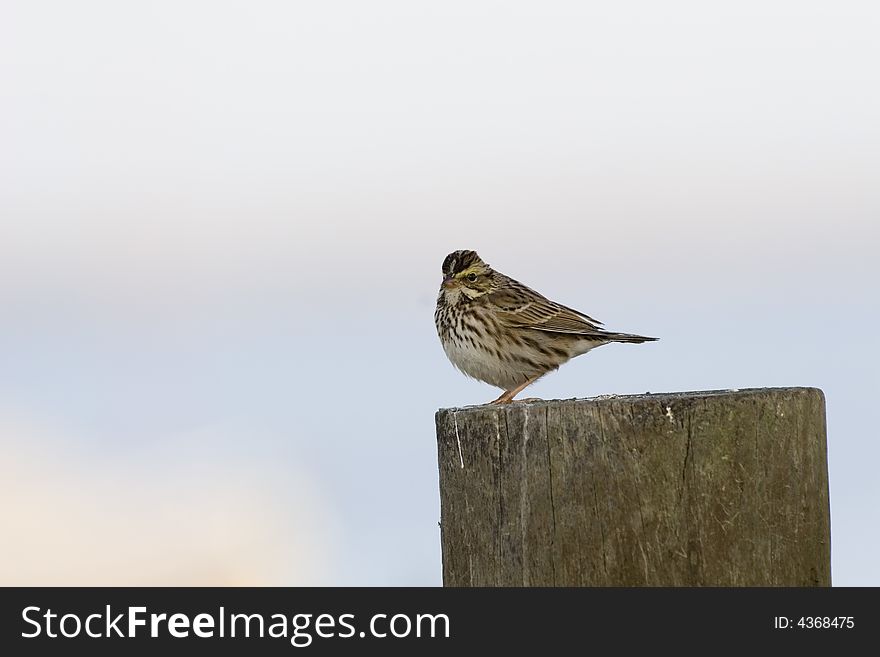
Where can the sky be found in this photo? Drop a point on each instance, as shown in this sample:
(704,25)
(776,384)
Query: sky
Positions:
(222,225)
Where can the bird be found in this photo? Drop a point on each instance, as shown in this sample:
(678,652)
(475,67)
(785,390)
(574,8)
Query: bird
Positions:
(499,331)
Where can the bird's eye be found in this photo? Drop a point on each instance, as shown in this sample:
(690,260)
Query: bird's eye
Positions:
(472,277)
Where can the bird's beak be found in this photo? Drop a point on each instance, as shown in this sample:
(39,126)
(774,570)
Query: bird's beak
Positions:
(447,281)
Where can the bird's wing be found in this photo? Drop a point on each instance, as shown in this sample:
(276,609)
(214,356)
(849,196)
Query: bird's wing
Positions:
(521,307)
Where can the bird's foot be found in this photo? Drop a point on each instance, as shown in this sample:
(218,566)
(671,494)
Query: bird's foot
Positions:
(508,395)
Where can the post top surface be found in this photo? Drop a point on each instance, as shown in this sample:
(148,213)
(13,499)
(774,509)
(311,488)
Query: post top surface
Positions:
(652,397)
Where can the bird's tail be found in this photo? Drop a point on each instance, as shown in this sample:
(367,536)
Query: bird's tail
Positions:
(629,337)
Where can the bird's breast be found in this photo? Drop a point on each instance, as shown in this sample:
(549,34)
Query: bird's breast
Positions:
(478,347)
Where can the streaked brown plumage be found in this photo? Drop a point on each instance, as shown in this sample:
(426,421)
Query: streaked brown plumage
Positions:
(499,331)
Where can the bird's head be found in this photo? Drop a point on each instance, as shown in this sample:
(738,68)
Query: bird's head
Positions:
(466,275)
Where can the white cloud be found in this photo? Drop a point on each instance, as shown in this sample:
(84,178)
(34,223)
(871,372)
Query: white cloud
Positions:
(70,520)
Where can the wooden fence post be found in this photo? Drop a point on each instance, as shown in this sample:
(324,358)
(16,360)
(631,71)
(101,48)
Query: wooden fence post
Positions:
(726,488)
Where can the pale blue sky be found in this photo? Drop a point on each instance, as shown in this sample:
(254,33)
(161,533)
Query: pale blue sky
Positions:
(221,229)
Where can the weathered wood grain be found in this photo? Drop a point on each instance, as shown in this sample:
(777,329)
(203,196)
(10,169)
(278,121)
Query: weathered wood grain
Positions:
(725,488)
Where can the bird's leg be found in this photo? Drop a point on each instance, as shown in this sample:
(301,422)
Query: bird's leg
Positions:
(508,395)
